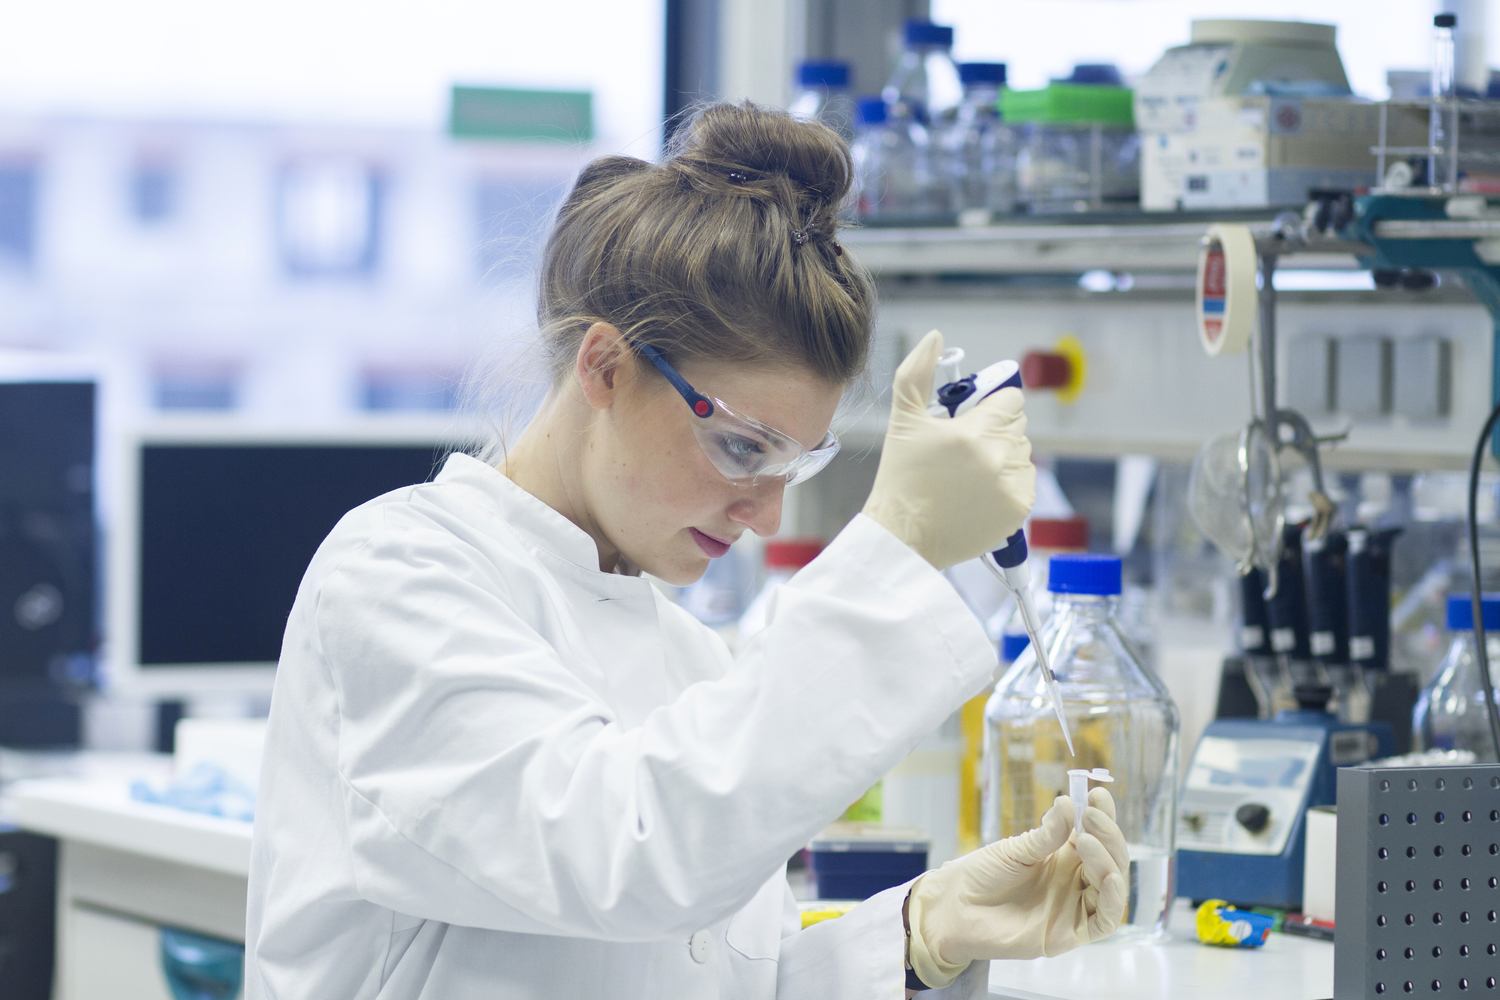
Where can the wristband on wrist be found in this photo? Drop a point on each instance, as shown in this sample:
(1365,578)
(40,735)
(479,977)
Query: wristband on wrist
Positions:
(913,981)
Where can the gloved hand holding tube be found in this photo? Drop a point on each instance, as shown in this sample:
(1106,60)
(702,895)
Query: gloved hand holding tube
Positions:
(952,489)
(1037,894)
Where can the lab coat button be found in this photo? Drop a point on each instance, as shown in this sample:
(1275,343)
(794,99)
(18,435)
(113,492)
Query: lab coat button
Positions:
(700,946)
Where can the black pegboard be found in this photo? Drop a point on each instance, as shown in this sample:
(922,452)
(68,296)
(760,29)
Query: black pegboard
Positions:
(1418,882)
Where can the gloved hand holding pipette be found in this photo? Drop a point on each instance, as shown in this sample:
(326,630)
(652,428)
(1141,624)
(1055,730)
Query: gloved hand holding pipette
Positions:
(1037,894)
(952,489)
(978,422)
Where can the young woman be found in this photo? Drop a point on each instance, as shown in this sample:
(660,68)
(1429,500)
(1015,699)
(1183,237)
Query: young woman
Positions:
(501,765)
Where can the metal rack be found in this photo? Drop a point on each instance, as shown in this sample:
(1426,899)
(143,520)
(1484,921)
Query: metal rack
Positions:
(1462,133)
(1137,243)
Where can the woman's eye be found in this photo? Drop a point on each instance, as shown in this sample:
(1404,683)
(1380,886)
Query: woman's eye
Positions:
(741,449)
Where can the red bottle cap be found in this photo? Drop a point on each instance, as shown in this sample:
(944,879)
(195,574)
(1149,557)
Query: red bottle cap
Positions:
(792,553)
(1059,533)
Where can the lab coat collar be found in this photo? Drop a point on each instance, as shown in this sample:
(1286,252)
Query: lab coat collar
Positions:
(549,530)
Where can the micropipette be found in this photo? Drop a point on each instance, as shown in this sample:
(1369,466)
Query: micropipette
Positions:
(1008,562)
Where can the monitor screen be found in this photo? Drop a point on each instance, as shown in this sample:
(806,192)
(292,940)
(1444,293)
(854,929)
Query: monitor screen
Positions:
(226,529)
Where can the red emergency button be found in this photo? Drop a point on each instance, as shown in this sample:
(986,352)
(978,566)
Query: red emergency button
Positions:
(1046,370)
(1060,370)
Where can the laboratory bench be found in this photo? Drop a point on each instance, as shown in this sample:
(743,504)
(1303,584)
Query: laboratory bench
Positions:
(126,869)
(1287,967)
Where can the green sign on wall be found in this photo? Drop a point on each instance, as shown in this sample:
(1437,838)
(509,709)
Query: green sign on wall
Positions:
(516,114)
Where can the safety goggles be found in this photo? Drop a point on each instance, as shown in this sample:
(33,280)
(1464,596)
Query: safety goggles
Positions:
(743,449)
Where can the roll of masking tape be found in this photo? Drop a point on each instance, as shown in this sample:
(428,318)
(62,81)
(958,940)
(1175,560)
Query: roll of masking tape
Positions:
(1226,289)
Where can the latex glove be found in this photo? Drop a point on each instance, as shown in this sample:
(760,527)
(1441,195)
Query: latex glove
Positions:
(951,488)
(1040,893)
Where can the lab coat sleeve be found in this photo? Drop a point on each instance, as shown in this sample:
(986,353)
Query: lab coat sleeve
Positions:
(860,956)
(485,784)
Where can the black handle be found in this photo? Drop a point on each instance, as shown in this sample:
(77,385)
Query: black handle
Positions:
(1326,562)
(1287,610)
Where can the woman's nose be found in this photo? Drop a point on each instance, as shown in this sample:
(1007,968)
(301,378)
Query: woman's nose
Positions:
(760,509)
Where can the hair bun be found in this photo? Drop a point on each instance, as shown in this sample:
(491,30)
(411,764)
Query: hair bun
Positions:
(607,169)
(762,142)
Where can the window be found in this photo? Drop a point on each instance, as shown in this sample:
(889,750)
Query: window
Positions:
(411,389)
(153,191)
(328,218)
(1134,35)
(510,221)
(189,385)
(18,196)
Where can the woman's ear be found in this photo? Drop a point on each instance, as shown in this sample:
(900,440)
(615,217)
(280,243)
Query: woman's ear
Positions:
(603,365)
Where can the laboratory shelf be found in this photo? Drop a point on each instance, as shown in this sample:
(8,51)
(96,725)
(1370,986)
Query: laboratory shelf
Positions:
(1134,242)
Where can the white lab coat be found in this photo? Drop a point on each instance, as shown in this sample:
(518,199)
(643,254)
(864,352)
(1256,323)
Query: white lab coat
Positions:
(493,771)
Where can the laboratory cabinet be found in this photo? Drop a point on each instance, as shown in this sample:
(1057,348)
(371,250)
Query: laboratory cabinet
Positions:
(126,871)
(123,961)
(112,907)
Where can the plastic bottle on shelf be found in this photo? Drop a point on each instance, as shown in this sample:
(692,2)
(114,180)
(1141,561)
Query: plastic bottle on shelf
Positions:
(823,95)
(978,150)
(1122,719)
(1450,713)
(925,86)
(892,165)
(1079,149)
(783,558)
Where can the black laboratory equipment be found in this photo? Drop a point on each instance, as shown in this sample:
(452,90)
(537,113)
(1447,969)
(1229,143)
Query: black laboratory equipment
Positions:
(48,560)
(28,913)
(1325,565)
(48,629)
(1392,694)
(1247,679)
(1288,626)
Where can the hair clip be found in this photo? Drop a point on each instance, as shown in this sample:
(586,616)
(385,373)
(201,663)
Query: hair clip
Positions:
(799,237)
(838,248)
(739,177)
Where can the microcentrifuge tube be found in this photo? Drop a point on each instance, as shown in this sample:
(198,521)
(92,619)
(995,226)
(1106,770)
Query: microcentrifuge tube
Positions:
(1078,790)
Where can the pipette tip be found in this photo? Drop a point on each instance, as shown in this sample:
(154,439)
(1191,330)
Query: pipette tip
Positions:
(1062,718)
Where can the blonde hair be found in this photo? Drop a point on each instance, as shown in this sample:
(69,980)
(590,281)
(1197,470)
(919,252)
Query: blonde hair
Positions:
(727,250)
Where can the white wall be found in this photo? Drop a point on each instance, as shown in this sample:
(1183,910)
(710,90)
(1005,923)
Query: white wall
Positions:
(1041,39)
(342,60)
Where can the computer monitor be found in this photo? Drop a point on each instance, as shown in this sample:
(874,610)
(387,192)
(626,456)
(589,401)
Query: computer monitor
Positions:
(211,533)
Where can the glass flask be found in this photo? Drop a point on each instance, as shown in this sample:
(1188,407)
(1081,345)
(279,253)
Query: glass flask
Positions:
(1121,716)
(1451,713)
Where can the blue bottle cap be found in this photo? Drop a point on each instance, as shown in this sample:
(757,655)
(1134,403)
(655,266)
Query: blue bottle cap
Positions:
(815,73)
(1461,612)
(1012,645)
(1098,74)
(927,33)
(1079,573)
(979,72)
(871,111)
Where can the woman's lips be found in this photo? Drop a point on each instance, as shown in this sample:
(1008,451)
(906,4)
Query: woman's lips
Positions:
(711,546)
